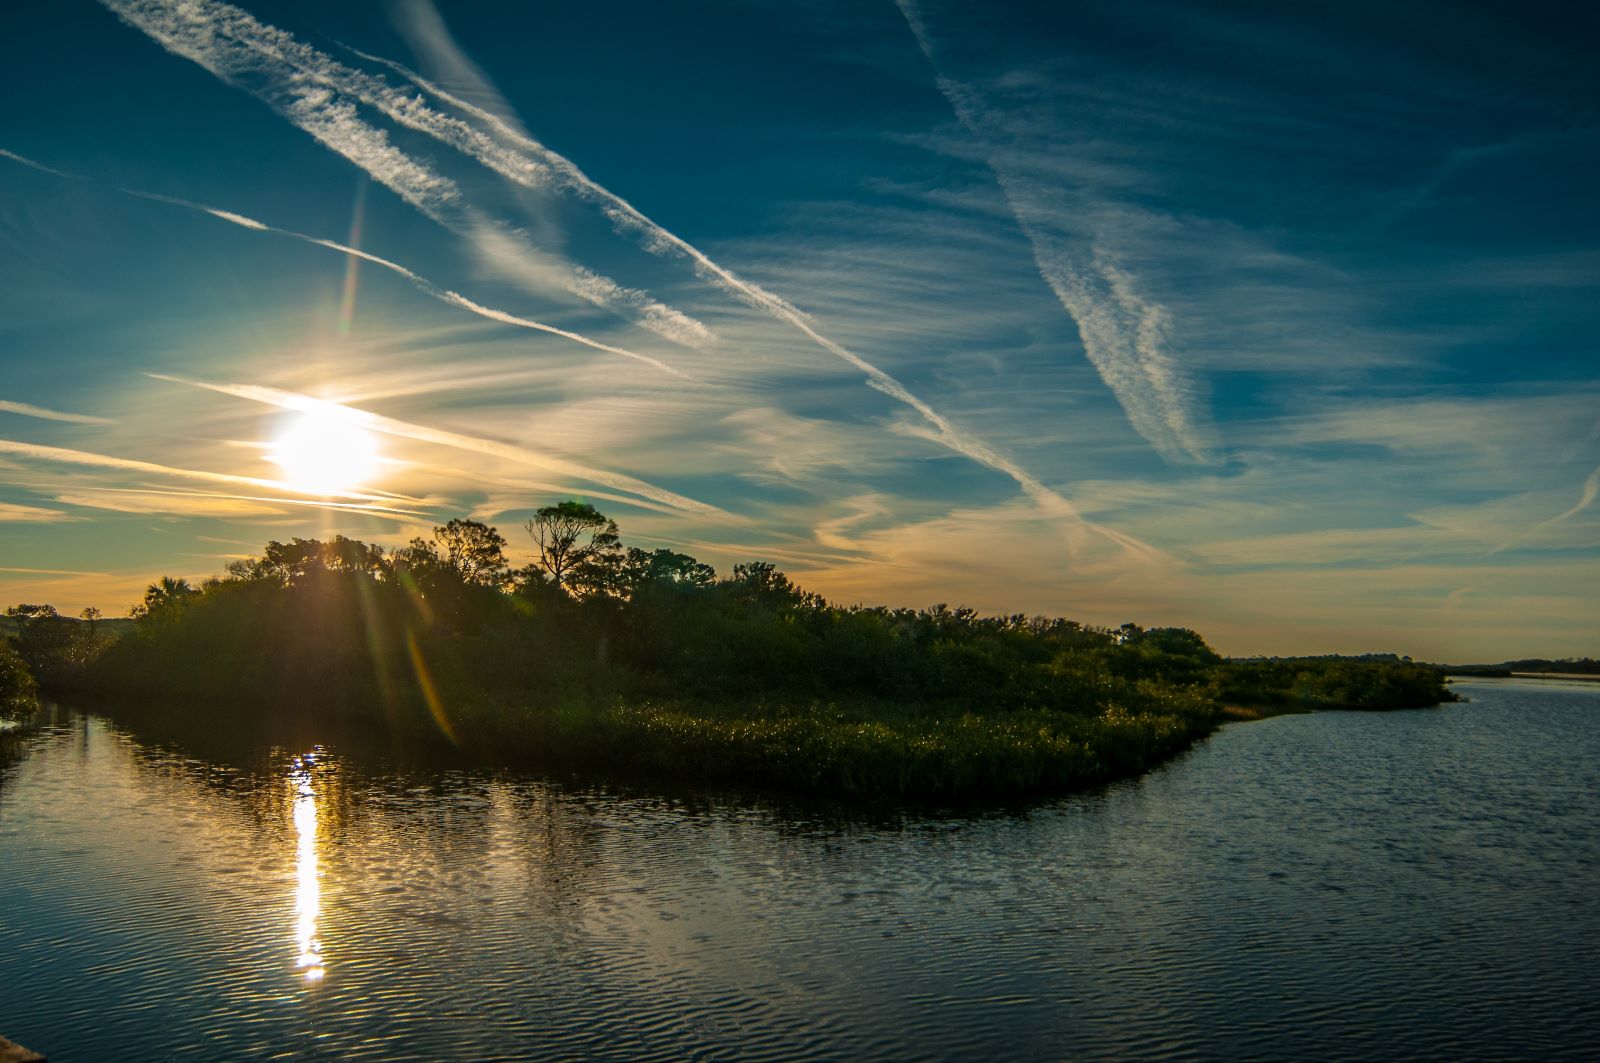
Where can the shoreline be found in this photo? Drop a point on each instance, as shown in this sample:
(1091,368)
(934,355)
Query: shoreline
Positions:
(1252,713)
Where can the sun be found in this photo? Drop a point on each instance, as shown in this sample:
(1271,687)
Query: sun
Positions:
(326,451)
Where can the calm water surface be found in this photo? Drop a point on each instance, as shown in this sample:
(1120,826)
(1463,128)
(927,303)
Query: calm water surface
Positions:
(1409,885)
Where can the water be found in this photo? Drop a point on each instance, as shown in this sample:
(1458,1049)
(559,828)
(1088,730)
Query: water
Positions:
(1411,885)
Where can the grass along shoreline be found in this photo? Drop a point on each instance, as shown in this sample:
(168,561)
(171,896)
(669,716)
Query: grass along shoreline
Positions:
(645,662)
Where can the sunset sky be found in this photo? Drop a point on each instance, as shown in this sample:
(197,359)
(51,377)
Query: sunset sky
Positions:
(1275,323)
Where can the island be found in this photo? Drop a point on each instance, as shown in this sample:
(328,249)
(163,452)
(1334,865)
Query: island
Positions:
(602,657)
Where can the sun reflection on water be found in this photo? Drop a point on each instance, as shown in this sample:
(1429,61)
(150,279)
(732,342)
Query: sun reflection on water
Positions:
(308,893)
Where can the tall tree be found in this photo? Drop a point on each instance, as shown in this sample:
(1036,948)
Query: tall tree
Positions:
(762,579)
(165,594)
(577,546)
(664,568)
(476,551)
(290,563)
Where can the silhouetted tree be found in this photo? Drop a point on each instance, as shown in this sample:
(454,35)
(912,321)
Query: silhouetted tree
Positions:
(340,554)
(52,646)
(163,597)
(1179,642)
(476,551)
(24,613)
(532,583)
(578,547)
(762,582)
(662,567)
(289,563)
(417,557)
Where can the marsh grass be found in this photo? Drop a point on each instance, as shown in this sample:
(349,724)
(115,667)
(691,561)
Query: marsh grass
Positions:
(860,749)
(748,680)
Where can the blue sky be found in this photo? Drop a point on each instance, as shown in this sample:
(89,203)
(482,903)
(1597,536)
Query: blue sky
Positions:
(1278,324)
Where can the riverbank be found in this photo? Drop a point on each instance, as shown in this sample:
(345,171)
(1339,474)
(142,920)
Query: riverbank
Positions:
(11,1052)
(1250,713)
(853,750)
(651,665)
(1582,677)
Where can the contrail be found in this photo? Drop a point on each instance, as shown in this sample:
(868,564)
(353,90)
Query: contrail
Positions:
(444,295)
(489,448)
(551,165)
(314,92)
(40,412)
(1124,333)
(1591,488)
(14,157)
(423,284)
(1586,497)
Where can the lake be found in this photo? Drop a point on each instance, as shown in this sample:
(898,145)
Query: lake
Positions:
(1421,884)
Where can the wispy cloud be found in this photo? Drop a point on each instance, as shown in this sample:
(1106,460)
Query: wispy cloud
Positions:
(420,23)
(322,97)
(504,248)
(1586,497)
(1503,433)
(486,447)
(1125,332)
(16,513)
(40,412)
(1591,488)
(422,283)
(211,504)
(513,257)
(549,165)
(24,160)
(1576,447)
(236,47)
(1001,559)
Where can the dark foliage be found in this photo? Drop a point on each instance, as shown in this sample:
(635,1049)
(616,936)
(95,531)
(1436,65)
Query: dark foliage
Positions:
(1565,666)
(643,660)
(17,687)
(54,649)
(1333,682)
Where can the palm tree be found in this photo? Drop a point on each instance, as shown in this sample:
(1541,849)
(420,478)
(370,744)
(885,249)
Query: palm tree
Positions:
(164,594)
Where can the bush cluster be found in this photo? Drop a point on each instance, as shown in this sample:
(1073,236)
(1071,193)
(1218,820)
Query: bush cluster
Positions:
(641,660)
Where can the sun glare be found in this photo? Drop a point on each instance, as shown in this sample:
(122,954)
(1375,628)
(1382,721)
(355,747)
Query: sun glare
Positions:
(326,451)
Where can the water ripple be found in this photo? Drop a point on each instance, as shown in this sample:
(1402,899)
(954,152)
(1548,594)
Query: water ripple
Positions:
(1336,886)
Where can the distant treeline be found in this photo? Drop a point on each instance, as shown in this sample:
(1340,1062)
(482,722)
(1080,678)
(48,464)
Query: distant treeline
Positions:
(645,660)
(1366,682)
(1565,666)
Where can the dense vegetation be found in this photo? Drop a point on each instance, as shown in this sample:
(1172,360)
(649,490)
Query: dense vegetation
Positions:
(627,659)
(1332,682)
(17,687)
(1565,666)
